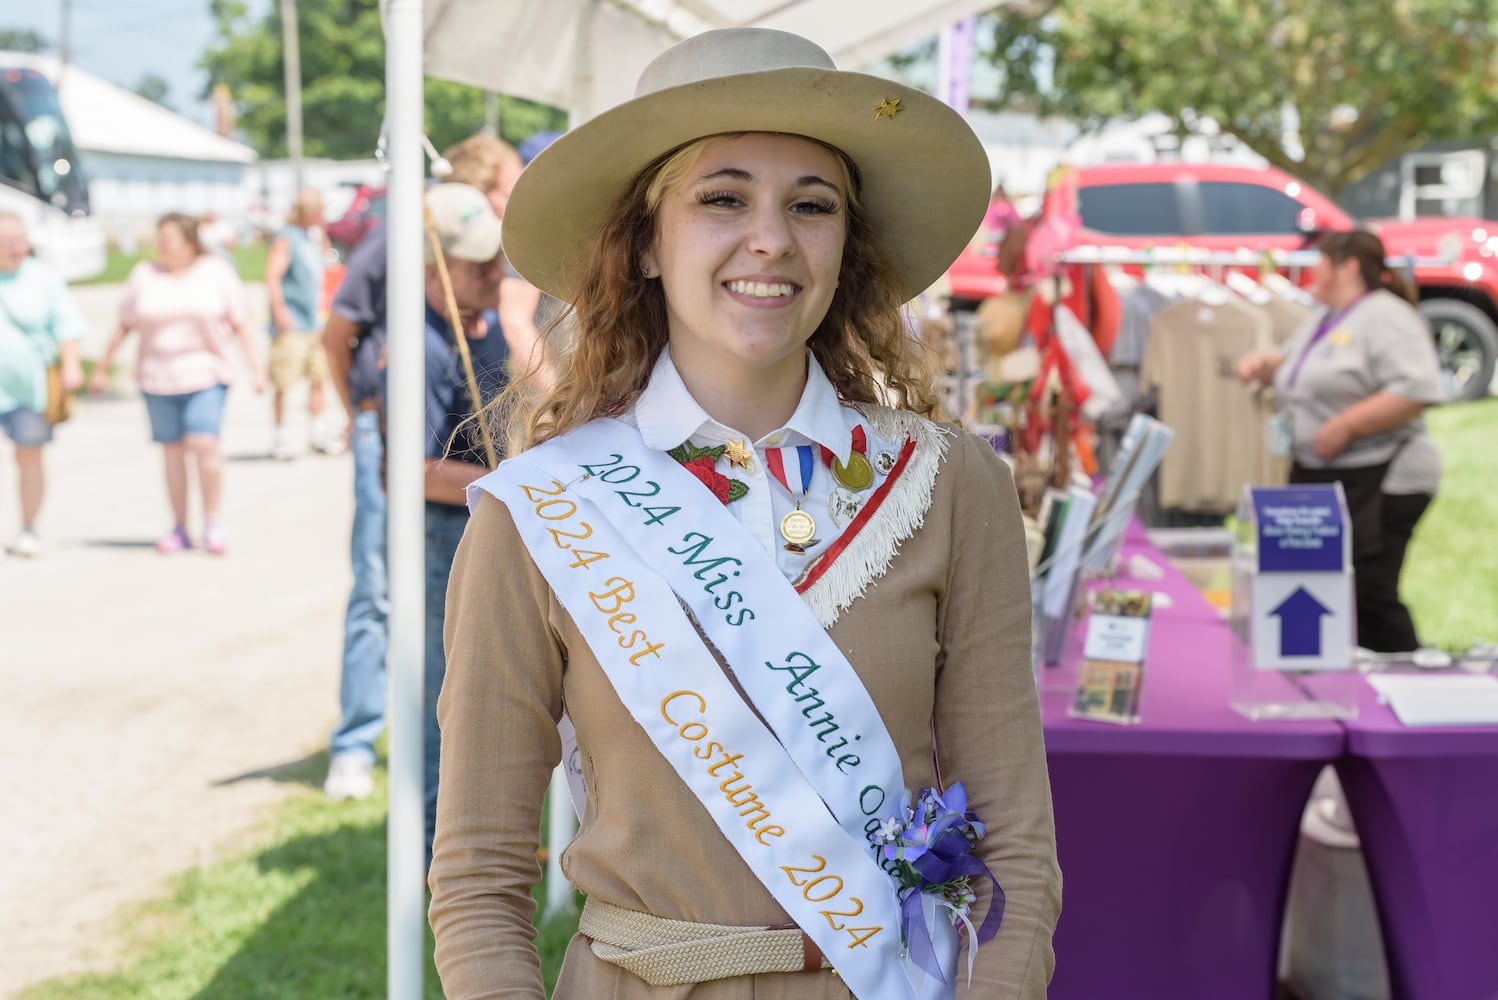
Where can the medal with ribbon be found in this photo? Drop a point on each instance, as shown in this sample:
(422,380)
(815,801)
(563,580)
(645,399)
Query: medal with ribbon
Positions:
(851,478)
(857,475)
(798,528)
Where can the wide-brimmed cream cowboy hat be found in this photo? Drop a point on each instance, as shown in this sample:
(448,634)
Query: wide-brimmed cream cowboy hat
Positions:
(925,175)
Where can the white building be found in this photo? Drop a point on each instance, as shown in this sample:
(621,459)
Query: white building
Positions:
(271,186)
(143,160)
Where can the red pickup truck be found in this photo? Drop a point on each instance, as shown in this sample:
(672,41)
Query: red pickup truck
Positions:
(1219,207)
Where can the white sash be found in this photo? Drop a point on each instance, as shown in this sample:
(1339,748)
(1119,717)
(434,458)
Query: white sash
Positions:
(619,548)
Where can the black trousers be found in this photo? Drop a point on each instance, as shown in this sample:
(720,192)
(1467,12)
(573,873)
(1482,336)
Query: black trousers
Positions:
(1381,527)
(1384,623)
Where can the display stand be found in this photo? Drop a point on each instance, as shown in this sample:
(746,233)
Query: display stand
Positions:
(1059,588)
(1293,612)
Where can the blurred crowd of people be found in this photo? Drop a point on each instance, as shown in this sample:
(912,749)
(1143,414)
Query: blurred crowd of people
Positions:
(188,309)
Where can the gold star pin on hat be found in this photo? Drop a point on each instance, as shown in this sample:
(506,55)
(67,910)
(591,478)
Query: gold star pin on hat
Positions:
(887,108)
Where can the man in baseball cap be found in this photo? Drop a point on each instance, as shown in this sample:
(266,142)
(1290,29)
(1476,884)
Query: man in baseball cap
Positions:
(465,222)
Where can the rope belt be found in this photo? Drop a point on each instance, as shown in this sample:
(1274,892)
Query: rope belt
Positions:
(675,952)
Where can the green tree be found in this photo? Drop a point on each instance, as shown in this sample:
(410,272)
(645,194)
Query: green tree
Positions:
(343,82)
(23,40)
(1326,90)
(153,87)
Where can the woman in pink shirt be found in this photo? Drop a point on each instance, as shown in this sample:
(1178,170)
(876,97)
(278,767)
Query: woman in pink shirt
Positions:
(187,305)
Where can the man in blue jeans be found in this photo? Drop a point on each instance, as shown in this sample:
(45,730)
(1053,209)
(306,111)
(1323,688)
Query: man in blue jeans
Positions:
(469,233)
(354,339)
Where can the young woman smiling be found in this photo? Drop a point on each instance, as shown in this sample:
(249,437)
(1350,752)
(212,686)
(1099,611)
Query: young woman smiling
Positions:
(736,575)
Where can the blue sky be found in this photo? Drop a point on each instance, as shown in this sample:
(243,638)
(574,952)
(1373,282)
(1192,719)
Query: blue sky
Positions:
(123,41)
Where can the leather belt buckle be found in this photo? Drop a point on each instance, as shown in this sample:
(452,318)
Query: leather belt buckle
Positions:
(812,959)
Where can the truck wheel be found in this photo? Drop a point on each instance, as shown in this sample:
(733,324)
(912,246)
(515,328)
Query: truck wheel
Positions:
(1467,344)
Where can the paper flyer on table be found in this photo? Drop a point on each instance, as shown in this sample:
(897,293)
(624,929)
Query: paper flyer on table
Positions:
(1439,700)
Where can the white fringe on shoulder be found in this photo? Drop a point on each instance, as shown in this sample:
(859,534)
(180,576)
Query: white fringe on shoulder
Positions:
(869,554)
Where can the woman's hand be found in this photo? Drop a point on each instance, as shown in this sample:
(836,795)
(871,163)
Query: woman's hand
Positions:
(1332,438)
(72,366)
(1258,366)
(98,382)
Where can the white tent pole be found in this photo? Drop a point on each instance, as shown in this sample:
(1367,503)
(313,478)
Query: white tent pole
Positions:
(406,893)
(561,823)
(582,66)
(944,65)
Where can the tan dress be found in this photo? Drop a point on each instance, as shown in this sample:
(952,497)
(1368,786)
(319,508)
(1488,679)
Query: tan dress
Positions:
(942,638)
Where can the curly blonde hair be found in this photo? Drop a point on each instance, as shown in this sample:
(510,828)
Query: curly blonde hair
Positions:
(605,346)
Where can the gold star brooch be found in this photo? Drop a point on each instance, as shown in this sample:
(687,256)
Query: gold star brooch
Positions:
(739,456)
(887,108)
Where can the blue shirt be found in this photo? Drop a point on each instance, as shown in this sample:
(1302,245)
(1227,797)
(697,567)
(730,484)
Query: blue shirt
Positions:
(448,404)
(301,285)
(361,301)
(37,312)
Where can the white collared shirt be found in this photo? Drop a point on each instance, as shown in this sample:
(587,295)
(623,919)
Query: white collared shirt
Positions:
(667,415)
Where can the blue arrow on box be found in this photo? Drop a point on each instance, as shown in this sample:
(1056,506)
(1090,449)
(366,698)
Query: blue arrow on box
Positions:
(1300,617)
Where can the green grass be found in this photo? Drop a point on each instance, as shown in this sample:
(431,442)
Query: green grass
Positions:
(303,917)
(1450,577)
(249,260)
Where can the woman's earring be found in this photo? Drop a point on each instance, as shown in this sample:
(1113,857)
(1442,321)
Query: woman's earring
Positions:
(645,270)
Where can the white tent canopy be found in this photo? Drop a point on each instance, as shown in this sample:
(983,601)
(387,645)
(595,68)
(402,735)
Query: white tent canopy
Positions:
(584,55)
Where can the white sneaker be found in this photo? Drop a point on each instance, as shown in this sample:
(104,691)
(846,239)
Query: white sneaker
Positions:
(349,777)
(281,449)
(325,444)
(27,545)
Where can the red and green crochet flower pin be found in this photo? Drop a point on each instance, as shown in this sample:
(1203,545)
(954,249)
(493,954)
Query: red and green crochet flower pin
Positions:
(700,462)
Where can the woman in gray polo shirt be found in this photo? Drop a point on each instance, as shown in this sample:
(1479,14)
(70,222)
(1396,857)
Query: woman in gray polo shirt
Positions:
(1351,385)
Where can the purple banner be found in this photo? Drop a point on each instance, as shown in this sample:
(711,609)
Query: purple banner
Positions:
(1300,529)
(955,63)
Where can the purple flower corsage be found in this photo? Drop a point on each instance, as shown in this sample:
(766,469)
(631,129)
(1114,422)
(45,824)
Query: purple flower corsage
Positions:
(930,845)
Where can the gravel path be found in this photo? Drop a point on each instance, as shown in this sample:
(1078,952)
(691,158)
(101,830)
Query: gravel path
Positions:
(144,698)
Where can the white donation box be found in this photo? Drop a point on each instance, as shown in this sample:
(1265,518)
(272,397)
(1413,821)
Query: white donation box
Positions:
(1293,612)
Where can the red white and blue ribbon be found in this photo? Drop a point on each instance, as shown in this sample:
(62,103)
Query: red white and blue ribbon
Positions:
(792,467)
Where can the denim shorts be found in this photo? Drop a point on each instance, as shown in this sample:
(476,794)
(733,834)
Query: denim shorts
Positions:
(174,417)
(27,428)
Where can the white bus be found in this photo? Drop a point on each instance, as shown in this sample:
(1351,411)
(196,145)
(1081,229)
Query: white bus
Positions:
(41,178)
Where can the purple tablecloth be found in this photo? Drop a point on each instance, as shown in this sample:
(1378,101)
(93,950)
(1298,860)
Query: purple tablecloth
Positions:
(1176,835)
(1425,803)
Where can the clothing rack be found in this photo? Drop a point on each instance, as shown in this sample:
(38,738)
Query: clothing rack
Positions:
(1194,257)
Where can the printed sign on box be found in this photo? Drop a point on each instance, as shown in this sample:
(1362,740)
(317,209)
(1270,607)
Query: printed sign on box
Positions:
(1300,530)
(1302,593)
(1303,622)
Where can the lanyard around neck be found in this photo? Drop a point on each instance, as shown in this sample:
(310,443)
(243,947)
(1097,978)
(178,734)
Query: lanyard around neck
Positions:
(1322,329)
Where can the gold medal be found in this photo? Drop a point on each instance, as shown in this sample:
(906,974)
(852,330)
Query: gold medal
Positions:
(857,475)
(798,528)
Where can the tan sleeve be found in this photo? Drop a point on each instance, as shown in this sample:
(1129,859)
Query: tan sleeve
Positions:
(500,703)
(988,728)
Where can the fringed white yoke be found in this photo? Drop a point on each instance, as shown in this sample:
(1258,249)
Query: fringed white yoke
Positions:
(867,556)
